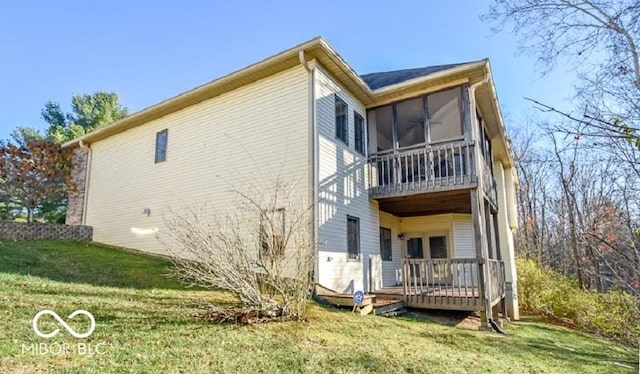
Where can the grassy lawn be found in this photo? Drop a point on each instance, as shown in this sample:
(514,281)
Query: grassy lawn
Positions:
(145,323)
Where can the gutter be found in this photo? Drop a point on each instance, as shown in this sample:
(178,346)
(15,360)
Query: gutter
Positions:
(310,66)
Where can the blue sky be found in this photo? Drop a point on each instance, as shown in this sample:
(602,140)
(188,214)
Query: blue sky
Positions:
(148,51)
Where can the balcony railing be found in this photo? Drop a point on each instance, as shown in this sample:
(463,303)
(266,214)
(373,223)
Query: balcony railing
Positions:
(422,168)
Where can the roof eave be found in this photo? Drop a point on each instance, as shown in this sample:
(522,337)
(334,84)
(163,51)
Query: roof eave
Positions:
(500,121)
(434,76)
(191,97)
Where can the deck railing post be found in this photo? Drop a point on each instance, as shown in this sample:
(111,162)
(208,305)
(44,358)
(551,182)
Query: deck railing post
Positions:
(404,280)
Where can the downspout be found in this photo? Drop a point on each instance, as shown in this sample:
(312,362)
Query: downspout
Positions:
(86,182)
(486,273)
(310,66)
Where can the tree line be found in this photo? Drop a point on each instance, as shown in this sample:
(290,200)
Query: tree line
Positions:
(579,168)
(35,171)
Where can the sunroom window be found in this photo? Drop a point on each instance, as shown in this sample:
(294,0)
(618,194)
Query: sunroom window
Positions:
(430,119)
(410,114)
(384,125)
(445,122)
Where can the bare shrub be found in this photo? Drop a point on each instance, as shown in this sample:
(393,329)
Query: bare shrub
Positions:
(259,249)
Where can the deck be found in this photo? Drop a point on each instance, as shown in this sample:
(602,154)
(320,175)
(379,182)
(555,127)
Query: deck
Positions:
(424,168)
(446,298)
(451,284)
(448,284)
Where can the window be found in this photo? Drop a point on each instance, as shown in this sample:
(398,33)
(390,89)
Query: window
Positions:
(353,238)
(161,145)
(438,246)
(383,121)
(358,123)
(414,248)
(434,118)
(410,114)
(445,114)
(385,244)
(342,120)
(272,231)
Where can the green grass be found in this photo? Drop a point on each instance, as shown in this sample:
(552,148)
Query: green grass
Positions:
(147,326)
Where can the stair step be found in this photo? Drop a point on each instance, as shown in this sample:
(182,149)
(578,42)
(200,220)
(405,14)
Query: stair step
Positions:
(394,313)
(387,306)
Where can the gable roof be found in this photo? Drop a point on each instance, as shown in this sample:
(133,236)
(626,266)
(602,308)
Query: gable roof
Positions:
(371,89)
(389,78)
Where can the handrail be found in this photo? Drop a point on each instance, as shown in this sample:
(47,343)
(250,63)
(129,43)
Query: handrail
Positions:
(434,145)
(451,281)
(423,167)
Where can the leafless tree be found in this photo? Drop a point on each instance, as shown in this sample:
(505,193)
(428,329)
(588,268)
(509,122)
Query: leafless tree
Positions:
(260,249)
(578,209)
(600,39)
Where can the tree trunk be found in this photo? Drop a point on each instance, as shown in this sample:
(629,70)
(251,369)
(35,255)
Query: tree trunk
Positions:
(29,215)
(574,237)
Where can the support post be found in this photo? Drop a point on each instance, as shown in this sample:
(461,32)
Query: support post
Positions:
(477,213)
(404,281)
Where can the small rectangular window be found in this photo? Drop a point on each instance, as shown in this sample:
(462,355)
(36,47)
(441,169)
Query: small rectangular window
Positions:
(358,123)
(342,120)
(385,244)
(272,231)
(353,237)
(161,145)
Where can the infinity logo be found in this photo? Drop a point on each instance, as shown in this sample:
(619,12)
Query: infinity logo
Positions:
(63,323)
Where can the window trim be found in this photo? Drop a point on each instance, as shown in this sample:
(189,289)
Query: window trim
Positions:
(345,129)
(157,157)
(358,252)
(362,149)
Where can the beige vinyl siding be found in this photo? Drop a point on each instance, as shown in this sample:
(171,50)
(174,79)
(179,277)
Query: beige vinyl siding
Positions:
(505,230)
(391,275)
(425,226)
(459,231)
(463,236)
(243,137)
(457,227)
(342,191)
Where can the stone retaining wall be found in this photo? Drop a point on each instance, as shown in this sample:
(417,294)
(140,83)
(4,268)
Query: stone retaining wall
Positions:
(44,231)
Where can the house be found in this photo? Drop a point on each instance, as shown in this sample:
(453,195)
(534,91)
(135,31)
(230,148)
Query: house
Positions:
(410,171)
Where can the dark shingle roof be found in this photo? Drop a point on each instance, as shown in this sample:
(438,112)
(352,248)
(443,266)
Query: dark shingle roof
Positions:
(388,78)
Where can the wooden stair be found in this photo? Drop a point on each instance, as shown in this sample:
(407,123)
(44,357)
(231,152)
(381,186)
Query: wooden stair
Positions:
(380,307)
(389,307)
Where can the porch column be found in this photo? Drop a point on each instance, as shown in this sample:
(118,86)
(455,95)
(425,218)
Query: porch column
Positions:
(507,223)
(482,253)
